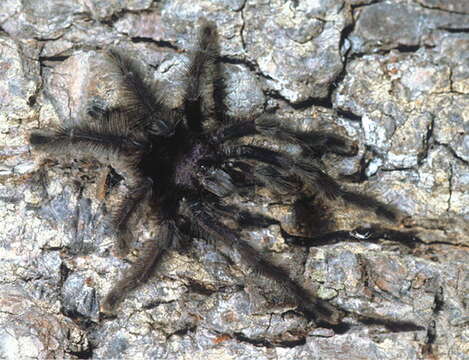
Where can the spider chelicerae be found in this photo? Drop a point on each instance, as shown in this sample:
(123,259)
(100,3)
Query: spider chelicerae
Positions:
(184,162)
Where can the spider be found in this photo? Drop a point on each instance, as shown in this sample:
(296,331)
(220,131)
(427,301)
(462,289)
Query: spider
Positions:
(184,162)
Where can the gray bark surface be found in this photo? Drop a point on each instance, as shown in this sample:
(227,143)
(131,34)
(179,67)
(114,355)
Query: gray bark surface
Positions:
(393,76)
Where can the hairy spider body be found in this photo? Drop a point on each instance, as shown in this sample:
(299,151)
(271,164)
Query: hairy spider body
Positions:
(185,166)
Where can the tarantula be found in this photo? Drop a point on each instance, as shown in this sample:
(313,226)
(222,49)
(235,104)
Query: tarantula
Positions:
(185,161)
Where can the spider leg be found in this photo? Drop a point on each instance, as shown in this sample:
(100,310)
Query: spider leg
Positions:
(107,139)
(201,62)
(217,182)
(137,192)
(139,103)
(319,310)
(310,174)
(219,86)
(143,268)
(312,141)
(276,180)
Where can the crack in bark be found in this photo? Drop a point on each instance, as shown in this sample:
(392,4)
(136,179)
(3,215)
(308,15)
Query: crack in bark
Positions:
(119,14)
(429,7)
(349,115)
(261,342)
(455,30)
(237,61)
(243,26)
(160,43)
(427,141)
(54,58)
(450,187)
(184,331)
(302,105)
(451,150)
(401,48)
(373,2)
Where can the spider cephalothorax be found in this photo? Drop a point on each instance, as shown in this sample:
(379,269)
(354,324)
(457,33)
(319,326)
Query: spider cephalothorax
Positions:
(185,161)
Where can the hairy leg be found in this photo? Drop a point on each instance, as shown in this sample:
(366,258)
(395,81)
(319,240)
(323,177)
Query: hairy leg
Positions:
(311,175)
(217,182)
(124,209)
(143,269)
(201,66)
(138,102)
(313,141)
(107,139)
(321,312)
